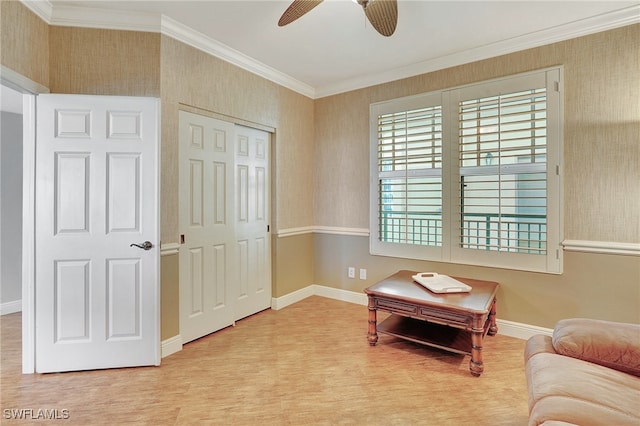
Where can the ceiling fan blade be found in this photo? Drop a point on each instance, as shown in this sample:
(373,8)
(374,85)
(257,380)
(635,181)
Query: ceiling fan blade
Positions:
(296,10)
(383,15)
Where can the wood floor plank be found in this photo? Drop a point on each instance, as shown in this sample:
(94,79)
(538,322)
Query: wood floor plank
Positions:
(307,364)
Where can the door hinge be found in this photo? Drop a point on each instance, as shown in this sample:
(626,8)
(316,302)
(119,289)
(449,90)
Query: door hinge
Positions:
(556,86)
(268,228)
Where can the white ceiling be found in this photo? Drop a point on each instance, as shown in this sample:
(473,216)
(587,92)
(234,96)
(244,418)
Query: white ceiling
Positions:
(334,49)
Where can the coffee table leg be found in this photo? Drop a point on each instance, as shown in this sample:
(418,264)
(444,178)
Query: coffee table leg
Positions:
(372,333)
(475,364)
(493,328)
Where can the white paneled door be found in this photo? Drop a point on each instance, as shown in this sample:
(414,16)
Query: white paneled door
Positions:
(96,292)
(252,290)
(206,223)
(225,256)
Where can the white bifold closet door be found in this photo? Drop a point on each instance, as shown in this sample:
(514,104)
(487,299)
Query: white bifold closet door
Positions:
(225,255)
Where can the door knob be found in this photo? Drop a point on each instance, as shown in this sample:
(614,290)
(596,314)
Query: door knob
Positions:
(144,246)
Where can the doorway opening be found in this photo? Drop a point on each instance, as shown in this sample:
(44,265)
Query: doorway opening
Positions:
(10,200)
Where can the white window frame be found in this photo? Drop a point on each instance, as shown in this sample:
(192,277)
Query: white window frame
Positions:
(410,251)
(451,251)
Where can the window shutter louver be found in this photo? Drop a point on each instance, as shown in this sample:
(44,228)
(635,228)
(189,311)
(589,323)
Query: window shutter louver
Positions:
(410,177)
(503,185)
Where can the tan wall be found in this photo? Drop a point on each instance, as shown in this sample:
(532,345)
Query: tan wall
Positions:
(24,42)
(293,264)
(169,302)
(593,285)
(601,180)
(104,62)
(192,79)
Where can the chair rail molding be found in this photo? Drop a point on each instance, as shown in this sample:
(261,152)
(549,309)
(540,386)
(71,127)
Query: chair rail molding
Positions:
(167,249)
(335,230)
(602,247)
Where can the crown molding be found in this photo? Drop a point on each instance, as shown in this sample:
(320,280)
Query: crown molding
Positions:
(592,25)
(140,21)
(213,47)
(42,8)
(74,16)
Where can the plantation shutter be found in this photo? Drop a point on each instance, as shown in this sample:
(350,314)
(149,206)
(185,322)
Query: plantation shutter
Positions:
(502,146)
(471,174)
(409,171)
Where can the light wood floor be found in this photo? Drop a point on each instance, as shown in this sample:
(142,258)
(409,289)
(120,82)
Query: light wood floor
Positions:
(307,364)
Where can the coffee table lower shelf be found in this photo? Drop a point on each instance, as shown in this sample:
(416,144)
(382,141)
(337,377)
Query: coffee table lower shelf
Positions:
(427,333)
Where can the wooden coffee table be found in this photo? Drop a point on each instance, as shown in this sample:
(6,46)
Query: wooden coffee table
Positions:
(456,322)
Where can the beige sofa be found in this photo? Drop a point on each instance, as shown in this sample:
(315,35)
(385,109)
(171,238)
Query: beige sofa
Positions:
(587,373)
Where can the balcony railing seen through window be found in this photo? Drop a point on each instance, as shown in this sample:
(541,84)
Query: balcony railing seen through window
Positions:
(518,233)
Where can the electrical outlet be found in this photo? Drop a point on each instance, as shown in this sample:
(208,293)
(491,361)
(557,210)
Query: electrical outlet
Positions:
(351,272)
(363,274)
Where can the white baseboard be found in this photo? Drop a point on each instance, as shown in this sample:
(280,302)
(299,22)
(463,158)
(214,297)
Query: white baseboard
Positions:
(171,345)
(11,307)
(339,294)
(519,330)
(291,298)
(505,327)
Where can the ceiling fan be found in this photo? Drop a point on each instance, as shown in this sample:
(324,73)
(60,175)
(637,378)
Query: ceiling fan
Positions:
(382,14)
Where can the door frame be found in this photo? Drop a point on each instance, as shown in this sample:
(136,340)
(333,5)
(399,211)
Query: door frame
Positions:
(29,89)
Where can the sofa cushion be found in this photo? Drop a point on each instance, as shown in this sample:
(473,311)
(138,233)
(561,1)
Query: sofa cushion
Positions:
(570,390)
(614,345)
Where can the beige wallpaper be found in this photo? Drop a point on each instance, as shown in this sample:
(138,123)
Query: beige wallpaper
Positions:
(24,42)
(601,134)
(104,62)
(341,182)
(191,77)
(602,137)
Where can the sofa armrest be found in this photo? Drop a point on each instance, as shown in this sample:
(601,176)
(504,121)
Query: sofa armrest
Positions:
(611,344)
(537,344)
